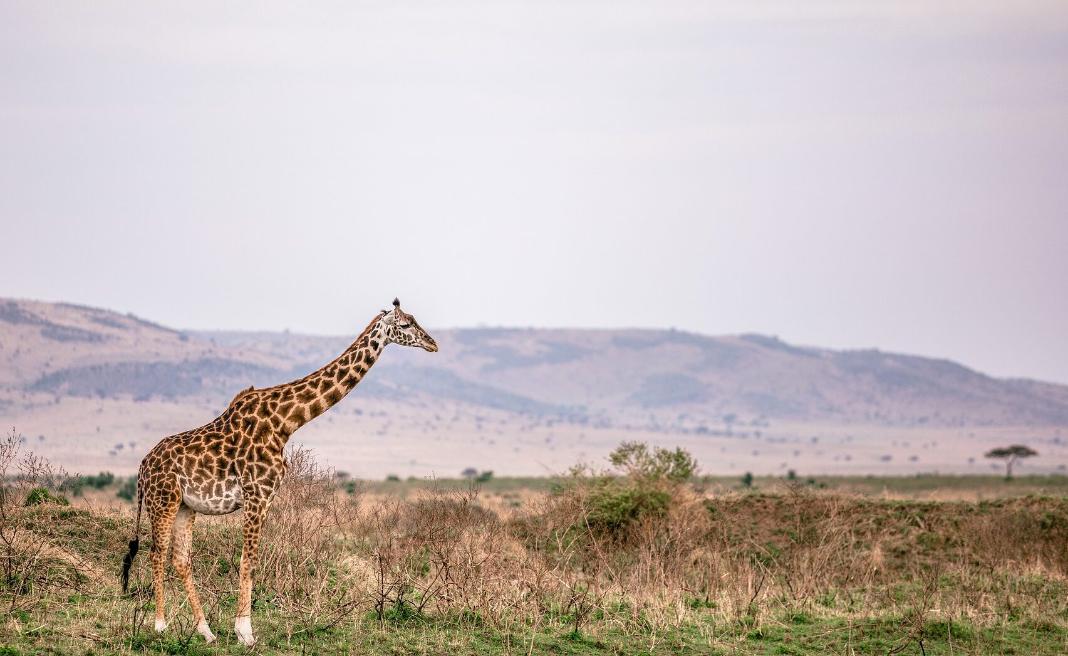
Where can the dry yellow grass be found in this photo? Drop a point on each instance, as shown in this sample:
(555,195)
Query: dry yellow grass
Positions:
(599,565)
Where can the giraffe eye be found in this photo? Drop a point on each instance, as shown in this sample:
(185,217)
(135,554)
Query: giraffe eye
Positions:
(404,325)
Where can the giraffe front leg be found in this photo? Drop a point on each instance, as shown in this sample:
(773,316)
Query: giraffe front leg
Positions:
(181,546)
(255,511)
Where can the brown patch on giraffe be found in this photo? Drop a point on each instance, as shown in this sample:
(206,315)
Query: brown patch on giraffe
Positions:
(298,415)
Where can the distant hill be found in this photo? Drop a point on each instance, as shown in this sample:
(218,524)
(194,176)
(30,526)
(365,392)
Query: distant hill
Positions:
(609,376)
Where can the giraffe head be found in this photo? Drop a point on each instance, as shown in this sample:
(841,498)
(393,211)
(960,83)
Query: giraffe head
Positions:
(403,329)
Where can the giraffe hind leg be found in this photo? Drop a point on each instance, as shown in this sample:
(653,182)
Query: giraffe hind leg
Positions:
(162,516)
(182,542)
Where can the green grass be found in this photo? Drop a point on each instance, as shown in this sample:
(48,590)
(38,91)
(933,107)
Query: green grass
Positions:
(951,578)
(890,634)
(496,485)
(985,486)
(86,629)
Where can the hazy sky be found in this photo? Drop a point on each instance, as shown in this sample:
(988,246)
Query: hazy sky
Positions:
(848,175)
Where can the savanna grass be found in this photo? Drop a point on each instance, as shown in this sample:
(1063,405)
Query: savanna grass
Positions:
(642,560)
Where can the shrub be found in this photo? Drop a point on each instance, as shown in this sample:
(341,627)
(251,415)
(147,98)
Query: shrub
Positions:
(41,495)
(128,489)
(301,553)
(29,506)
(615,505)
(100,481)
(636,461)
(612,507)
(75,485)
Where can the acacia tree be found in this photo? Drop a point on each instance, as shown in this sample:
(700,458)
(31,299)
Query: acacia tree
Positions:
(1010,454)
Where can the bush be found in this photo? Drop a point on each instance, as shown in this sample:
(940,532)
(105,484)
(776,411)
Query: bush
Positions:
(75,485)
(301,553)
(41,495)
(128,489)
(636,461)
(612,507)
(100,481)
(615,505)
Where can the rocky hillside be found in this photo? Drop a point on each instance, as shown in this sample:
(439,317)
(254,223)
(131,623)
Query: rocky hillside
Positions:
(608,376)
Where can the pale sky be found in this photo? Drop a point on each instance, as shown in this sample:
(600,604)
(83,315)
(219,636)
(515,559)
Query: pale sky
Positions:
(889,175)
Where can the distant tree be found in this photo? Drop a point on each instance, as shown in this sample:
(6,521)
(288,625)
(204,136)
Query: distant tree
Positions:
(470,472)
(1010,454)
(636,460)
(747,480)
(484,477)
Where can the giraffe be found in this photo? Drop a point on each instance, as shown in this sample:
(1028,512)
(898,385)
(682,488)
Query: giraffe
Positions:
(236,462)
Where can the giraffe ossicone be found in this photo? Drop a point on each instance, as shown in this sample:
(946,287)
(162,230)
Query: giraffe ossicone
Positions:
(237,462)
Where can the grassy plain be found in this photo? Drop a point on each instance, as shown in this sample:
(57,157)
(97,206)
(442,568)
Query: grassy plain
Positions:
(593,564)
(921,486)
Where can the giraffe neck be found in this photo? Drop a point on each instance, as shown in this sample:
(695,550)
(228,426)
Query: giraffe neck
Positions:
(307,398)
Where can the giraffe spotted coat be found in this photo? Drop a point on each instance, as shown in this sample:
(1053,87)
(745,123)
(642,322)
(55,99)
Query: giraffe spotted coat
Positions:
(236,462)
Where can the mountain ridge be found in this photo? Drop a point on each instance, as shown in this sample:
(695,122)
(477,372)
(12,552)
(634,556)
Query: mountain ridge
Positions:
(64,349)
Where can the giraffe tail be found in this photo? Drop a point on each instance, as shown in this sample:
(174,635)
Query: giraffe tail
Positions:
(135,544)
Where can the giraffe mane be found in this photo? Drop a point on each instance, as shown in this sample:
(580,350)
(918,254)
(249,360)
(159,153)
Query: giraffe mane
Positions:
(242,393)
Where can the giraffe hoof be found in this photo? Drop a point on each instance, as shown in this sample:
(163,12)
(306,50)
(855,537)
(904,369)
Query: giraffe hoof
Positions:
(205,631)
(243,628)
(161,625)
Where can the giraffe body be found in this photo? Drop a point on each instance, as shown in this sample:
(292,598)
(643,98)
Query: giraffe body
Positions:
(236,462)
